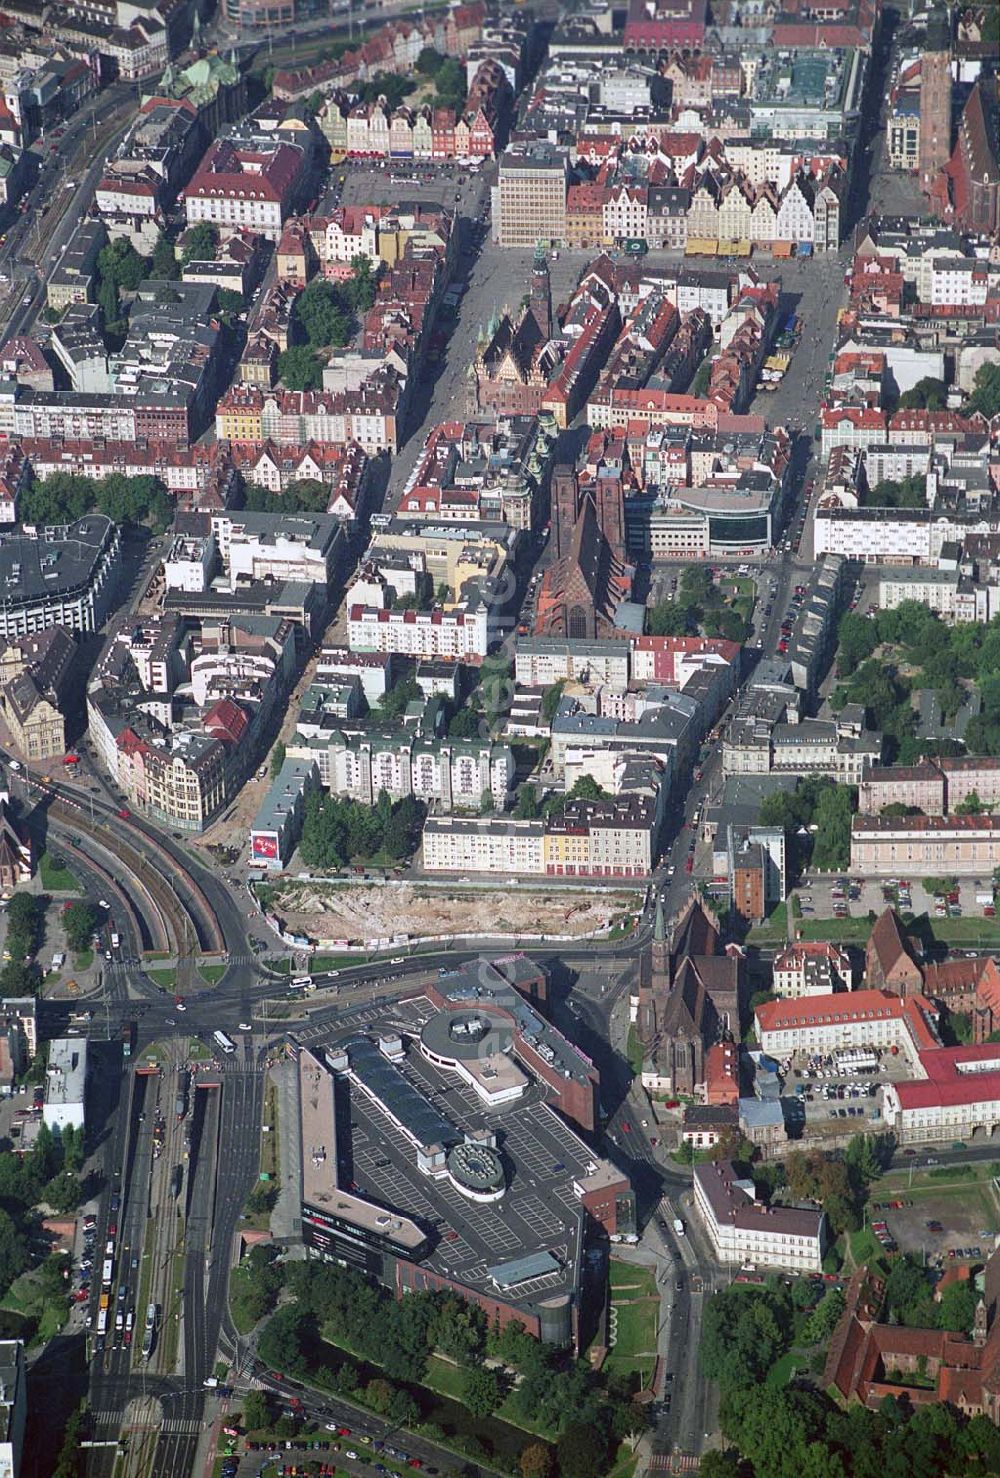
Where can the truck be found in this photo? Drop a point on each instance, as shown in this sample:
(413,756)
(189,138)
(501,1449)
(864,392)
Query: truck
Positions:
(116,939)
(983,899)
(107,1272)
(678,1227)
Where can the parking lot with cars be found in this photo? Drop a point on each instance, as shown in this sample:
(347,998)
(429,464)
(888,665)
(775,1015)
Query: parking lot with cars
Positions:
(841,1091)
(847,897)
(945,1226)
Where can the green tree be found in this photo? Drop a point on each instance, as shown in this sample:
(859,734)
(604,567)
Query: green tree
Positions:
(927,394)
(107,298)
(535,1460)
(971,806)
(550,700)
(481,1390)
(823,1320)
(299,369)
(318,309)
(832,818)
(121,264)
(397,700)
(667,618)
(277,758)
(429,62)
(230,302)
(199,243)
(62,1193)
(80,921)
(858,639)
(582,1451)
(306,495)
(256,1413)
(465,724)
(526,808)
(702,378)
(280,1340)
(985,397)
(70,1462)
(359,290)
(163,262)
(450,87)
(13,1251)
(957,1308)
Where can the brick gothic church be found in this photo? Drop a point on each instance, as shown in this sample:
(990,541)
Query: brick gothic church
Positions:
(590,575)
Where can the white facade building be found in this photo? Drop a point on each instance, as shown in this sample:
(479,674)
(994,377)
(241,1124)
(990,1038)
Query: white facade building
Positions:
(741,1230)
(461,633)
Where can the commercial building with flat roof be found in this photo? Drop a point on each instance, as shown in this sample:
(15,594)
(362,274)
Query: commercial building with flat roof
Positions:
(277,826)
(433,1157)
(59,576)
(65,1083)
(530,196)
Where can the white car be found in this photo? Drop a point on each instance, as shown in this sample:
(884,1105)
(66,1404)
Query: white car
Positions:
(246,1026)
(103,903)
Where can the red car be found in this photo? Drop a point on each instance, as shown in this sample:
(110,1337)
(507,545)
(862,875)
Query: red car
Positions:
(689,865)
(626,1126)
(123,813)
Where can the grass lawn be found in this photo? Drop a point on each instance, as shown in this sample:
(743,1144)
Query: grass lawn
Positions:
(846,931)
(83,960)
(774,929)
(636,1302)
(49,1311)
(55,878)
(166,978)
(443,1377)
(637,1320)
(146,1266)
(967,931)
(782,1371)
(269,1141)
(634,1050)
(640,1282)
(319,963)
(212,974)
(197,1049)
(239,1317)
(171,1323)
(624,1464)
(865,1247)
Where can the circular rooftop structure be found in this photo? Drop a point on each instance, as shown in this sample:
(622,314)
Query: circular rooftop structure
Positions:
(466,1034)
(476,1171)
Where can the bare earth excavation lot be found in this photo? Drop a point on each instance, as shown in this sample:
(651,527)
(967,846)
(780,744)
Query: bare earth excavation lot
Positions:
(363,914)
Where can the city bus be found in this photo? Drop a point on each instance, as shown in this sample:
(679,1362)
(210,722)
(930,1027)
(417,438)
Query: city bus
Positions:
(224,1043)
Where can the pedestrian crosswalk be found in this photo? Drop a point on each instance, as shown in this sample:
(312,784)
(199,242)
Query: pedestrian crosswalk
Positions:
(171,1427)
(181,1427)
